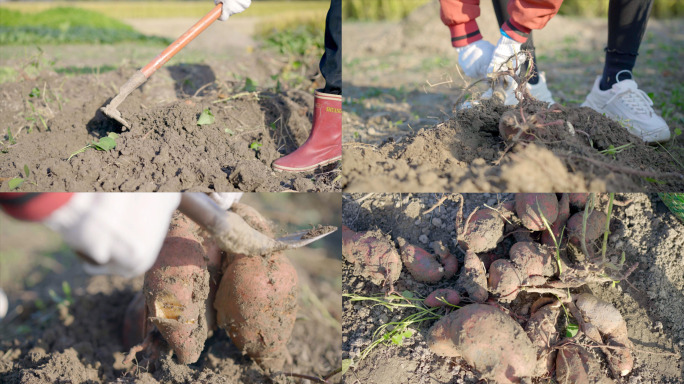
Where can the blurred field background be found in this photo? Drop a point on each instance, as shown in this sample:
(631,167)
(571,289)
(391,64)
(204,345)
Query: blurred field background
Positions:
(374,10)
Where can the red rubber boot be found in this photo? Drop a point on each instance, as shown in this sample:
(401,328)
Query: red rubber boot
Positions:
(324,145)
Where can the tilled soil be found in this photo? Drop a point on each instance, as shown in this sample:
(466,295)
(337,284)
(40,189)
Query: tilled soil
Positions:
(467,154)
(651,300)
(165,149)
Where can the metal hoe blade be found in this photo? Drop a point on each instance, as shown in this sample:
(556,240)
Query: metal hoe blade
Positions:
(111,109)
(234,235)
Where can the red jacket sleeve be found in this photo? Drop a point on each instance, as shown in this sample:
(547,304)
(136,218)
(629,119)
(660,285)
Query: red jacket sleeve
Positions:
(32,206)
(459,16)
(527,15)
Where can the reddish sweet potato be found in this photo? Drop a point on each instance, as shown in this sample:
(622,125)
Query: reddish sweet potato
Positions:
(578,200)
(528,205)
(372,254)
(256,304)
(512,128)
(541,329)
(533,261)
(483,231)
(572,365)
(176,290)
(451,296)
(596,224)
(133,330)
(449,261)
(559,224)
(474,278)
(610,324)
(504,280)
(487,339)
(422,265)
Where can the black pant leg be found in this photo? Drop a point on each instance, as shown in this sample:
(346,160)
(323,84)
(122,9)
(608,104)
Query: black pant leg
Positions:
(331,62)
(627,21)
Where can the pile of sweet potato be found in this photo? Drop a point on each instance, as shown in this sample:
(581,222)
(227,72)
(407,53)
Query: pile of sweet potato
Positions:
(524,263)
(195,288)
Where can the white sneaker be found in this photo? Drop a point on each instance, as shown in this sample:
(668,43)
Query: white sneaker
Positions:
(539,91)
(630,106)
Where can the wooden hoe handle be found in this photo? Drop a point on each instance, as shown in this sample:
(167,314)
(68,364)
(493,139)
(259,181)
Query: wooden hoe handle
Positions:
(182,41)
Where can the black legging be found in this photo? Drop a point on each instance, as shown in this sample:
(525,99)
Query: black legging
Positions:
(501,11)
(627,21)
(331,62)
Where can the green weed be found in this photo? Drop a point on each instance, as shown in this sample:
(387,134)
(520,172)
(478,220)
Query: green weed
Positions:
(104,144)
(256,146)
(206,117)
(394,332)
(18,181)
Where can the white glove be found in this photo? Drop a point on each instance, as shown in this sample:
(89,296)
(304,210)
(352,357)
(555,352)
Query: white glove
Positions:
(231,7)
(4,304)
(475,57)
(225,200)
(122,233)
(505,48)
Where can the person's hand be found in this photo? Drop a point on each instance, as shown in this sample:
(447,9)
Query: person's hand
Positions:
(475,57)
(225,200)
(117,233)
(507,51)
(231,7)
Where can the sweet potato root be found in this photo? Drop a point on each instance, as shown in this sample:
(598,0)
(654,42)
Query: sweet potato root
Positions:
(504,280)
(451,296)
(488,339)
(372,254)
(176,290)
(473,278)
(596,223)
(531,206)
(572,365)
(256,304)
(605,318)
(578,200)
(449,261)
(541,329)
(533,261)
(559,224)
(483,231)
(133,330)
(422,265)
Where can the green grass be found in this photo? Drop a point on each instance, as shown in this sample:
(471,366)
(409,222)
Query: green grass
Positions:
(66,25)
(163,9)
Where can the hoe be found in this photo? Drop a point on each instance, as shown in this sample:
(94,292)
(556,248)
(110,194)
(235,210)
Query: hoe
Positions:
(142,75)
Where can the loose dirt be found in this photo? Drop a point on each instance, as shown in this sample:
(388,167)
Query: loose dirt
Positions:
(41,341)
(651,300)
(401,132)
(165,150)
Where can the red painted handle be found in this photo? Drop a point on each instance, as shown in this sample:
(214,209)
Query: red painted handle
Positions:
(182,41)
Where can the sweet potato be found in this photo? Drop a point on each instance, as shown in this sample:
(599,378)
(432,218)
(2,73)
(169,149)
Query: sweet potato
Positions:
(451,296)
(533,261)
(473,278)
(449,261)
(541,329)
(531,206)
(559,224)
(578,200)
(133,330)
(422,265)
(483,231)
(512,128)
(596,223)
(488,340)
(176,290)
(572,365)
(605,318)
(504,280)
(372,254)
(256,304)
